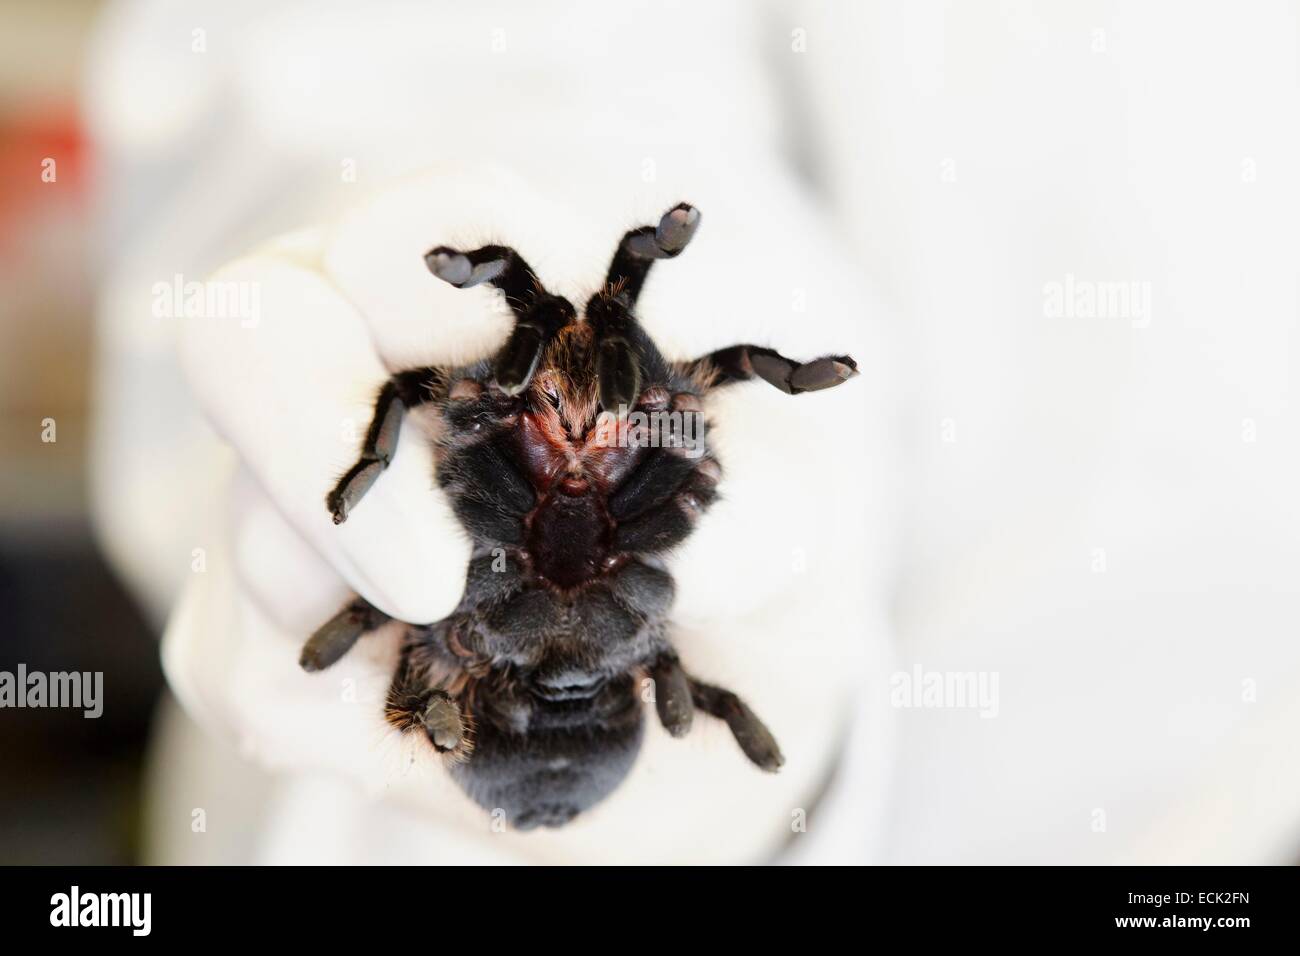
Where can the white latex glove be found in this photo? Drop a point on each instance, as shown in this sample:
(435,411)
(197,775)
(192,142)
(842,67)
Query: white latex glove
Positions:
(772,597)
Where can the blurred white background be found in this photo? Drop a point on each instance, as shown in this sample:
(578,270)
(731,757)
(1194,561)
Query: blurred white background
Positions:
(1100,509)
(1095,505)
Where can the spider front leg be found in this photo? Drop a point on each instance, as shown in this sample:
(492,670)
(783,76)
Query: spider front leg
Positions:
(627,355)
(538,314)
(404,390)
(678,695)
(739,363)
(640,247)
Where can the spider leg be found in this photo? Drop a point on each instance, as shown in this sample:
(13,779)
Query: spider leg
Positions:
(404,390)
(626,354)
(443,722)
(674,441)
(754,738)
(414,704)
(657,504)
(653,482)
(672,695)
(664,515)
(538,314)
(489,495)
(640,247)
(500,265)
(336,636)
(739,363)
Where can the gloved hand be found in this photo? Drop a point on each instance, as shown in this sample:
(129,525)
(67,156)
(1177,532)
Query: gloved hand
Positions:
(771,590)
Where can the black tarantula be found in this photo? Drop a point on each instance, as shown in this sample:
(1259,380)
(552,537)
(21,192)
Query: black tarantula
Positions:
(574,459)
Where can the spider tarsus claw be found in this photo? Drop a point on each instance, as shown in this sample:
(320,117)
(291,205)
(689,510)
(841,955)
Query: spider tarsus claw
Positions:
(673,698)
(336,506)
(449,265)
(754,738)
(677,228)
(443,724)
(822,373)
(456,269)
(352,487)
(332,640)
(793,378)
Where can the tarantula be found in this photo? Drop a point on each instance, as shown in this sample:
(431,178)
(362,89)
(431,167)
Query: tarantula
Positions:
(574,459)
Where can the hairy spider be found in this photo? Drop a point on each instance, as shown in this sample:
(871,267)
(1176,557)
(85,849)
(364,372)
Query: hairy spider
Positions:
(574,459)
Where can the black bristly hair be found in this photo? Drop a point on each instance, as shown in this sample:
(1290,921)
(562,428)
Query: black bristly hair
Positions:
(532,686)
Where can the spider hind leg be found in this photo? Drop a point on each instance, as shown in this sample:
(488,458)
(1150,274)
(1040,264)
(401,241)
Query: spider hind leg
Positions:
(751,733)
(336,636)
(417,701)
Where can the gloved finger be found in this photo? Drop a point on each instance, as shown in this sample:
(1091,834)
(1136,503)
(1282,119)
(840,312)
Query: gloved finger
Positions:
(231,649)
(291,386)
(375,255)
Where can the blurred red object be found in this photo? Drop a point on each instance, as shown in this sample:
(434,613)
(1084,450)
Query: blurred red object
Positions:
(42,160)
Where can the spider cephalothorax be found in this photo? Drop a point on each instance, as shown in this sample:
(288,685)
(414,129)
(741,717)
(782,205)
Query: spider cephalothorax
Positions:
(575,459)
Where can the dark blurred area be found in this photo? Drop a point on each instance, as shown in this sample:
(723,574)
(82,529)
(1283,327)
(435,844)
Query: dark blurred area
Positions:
(70,787)
(71,790)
